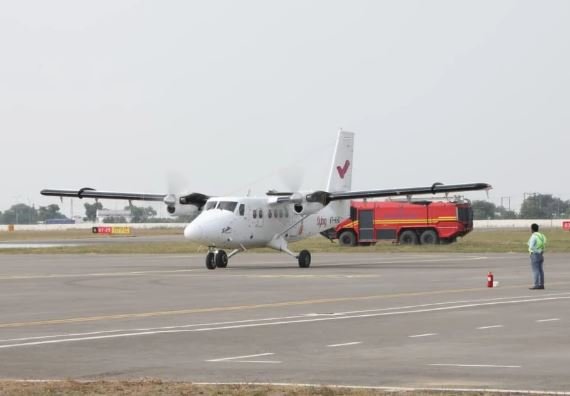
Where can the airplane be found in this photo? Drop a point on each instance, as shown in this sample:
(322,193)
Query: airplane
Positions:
(274,220)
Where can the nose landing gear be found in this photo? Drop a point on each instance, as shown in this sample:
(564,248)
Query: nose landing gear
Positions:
(218,258)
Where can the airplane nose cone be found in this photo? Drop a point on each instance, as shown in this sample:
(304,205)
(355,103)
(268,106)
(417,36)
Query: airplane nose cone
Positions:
(194,232)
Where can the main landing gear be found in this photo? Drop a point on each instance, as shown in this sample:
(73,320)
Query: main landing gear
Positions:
(304,258)
(217,258)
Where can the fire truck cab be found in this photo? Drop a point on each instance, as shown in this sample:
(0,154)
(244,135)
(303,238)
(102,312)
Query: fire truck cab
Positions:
(405,222)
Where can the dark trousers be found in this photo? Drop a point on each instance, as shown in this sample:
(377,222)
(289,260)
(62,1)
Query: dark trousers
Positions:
(536,262)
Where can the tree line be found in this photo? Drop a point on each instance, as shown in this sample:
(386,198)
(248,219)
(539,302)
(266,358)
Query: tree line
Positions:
(25,214)
(535,206)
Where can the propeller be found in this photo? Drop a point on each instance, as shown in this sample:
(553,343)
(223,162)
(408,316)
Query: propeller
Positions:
(292,177)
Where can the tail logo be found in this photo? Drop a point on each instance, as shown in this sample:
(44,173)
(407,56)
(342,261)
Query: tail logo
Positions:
(342,170)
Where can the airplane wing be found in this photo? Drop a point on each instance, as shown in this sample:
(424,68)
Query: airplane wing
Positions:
(87,192)
(326,197)
(433,189)
(195,199)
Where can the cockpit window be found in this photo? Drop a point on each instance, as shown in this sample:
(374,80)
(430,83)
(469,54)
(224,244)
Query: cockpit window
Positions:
(211,205)
(227,205)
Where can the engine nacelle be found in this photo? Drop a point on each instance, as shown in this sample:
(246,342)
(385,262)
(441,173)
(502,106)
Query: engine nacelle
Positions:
(182,210)
(307,208)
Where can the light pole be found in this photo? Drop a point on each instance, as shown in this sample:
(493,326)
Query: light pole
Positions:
(508,199)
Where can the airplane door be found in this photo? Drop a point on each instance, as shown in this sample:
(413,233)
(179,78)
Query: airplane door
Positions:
(366,225)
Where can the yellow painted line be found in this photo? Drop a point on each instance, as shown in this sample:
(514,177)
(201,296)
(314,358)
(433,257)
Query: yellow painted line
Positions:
(97,274)
(248,307)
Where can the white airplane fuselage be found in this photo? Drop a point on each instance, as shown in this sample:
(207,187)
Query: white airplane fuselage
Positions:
(249,222)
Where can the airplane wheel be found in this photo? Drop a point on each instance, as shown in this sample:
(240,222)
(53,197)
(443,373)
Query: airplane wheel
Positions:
(211,261)
(221,259)
(304,259)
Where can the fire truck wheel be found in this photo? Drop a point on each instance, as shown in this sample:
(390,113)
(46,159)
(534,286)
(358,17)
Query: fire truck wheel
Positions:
(347,238)
(409,237)
(429,237)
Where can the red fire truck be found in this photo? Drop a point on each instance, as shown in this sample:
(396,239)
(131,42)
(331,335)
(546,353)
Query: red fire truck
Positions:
(409,222)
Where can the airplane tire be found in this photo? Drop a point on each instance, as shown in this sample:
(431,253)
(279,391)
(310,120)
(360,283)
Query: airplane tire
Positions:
(304,259)
(429,237)
(347,238)
(221,259)
(211,261)
(408,237)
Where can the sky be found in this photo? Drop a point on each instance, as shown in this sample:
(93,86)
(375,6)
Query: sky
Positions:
(226,97)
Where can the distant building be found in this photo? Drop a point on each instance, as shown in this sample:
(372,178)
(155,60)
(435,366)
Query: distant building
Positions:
(107,214)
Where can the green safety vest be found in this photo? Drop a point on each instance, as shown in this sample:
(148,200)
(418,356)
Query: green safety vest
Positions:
(540,241)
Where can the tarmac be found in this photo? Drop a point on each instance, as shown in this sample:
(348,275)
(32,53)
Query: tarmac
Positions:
(364,319)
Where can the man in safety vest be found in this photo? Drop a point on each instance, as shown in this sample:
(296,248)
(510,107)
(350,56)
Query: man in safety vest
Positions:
(536,245)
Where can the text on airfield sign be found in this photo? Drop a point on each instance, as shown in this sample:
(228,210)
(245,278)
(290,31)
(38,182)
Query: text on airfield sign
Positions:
(111,230)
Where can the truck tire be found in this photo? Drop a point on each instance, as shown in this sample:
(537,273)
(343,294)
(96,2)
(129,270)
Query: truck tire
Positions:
(429,237)
(408,237)
(347,238)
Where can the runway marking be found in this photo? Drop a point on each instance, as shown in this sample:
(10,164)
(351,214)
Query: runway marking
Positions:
(92,333)
(489,327)
(240,357)
(204,274)
(547,320)
(278,322)
(395,388)
(345,344)
(473,365)
(241,307)
(257,361)
(422,335)
(307,276)
(96,274)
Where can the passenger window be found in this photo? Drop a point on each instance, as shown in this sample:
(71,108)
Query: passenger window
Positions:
(241,209)
(261,213)
(255,213)
(280,213)
(286,213)
(269,213)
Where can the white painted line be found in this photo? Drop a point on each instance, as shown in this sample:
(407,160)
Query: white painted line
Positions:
(145,330)
(239,357)
(345,344)
(547,320)
(473,365)
(422,335)
(394,388)
(279,321)
(255,361)
(489,327)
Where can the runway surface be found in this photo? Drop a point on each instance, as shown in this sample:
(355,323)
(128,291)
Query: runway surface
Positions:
(394,320)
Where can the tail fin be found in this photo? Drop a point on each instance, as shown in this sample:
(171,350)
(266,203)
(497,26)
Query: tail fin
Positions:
(340,178)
